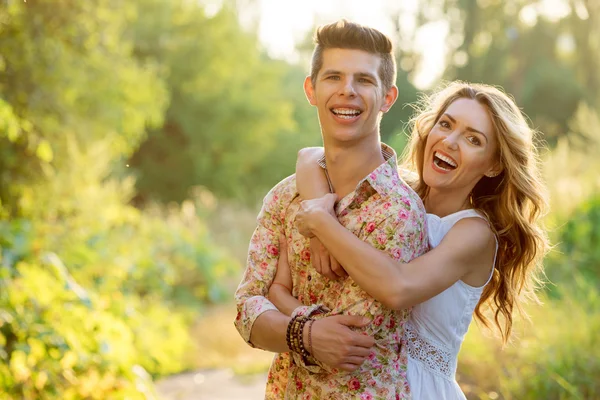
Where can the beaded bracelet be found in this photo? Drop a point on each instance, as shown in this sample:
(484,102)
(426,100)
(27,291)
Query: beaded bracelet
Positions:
(310,324)
(294,335)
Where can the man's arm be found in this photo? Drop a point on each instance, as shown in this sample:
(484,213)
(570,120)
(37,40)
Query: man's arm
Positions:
(263,326)
(258,321)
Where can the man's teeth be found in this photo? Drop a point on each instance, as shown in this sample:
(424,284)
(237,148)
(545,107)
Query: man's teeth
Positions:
(447,160)
(346,112)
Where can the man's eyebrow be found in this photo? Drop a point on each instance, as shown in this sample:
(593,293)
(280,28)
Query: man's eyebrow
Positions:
(366,75)
(451,118)
(332,72)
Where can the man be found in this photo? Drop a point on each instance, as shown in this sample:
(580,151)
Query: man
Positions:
(351,85)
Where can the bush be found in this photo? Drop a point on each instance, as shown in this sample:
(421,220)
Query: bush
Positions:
(578,241)
(117,311)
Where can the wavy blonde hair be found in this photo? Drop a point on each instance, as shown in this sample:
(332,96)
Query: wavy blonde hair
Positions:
(513,201)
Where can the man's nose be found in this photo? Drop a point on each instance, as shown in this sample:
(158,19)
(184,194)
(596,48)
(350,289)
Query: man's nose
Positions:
(348,88)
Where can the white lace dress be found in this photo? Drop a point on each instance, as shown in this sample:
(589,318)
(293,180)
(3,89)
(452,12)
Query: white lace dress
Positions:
(438,326)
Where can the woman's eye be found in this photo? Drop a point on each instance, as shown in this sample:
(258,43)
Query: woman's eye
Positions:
(445,124)
(475,140)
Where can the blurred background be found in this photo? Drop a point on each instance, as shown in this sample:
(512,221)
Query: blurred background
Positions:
(137,139)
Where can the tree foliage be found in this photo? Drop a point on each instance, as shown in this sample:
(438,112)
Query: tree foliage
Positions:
(227,110)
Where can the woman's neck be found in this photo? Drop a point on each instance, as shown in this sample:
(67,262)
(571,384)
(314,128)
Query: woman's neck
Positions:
(442,203)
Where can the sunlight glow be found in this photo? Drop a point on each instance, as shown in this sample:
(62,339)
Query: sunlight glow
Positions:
(283,24)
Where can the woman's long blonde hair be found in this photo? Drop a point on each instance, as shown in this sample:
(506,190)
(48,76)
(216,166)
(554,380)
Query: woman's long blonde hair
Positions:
(513,201)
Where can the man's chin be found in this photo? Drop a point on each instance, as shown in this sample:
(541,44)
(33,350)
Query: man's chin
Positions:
(346,135)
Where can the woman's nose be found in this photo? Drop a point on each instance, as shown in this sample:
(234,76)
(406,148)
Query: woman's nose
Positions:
(450,141)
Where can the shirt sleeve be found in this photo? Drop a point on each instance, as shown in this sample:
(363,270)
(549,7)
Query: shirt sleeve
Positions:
(261,265)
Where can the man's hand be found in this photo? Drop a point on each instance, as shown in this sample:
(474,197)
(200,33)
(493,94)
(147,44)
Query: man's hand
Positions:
(335,344)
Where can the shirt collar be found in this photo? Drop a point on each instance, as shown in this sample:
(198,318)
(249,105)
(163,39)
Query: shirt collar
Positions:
(383,179)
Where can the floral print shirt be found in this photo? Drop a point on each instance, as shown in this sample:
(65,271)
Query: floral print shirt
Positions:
(383,211)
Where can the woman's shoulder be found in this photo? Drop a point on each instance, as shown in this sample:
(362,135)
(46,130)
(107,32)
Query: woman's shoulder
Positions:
(474,230)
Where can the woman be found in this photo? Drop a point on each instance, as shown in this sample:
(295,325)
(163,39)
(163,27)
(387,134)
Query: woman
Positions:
(477,174)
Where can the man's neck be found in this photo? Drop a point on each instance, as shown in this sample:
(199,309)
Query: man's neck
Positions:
(347,166)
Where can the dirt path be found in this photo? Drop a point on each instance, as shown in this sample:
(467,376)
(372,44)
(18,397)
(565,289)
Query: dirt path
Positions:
(212,385)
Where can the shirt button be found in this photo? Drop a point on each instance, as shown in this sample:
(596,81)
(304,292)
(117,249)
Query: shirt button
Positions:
(309,278)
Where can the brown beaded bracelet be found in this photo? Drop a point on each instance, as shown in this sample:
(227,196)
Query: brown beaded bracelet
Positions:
(310,324)
(294,335)
(291,334)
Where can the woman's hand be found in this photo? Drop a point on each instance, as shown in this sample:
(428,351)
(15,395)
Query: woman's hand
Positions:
(312,212)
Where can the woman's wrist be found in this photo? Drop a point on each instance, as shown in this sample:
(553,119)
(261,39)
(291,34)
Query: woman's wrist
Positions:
(320,220)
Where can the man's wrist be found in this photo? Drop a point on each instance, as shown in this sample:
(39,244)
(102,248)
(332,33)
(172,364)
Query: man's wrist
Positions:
(307,339)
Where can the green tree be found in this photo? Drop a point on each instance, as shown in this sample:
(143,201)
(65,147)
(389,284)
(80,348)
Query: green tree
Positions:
(226,108)
(68,87)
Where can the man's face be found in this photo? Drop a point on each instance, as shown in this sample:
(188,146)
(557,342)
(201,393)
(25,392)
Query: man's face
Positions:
(349,95)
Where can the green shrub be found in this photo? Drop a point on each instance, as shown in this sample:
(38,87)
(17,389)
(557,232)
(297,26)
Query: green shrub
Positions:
(578,241)
(114,310)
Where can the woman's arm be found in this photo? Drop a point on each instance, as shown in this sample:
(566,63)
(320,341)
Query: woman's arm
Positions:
(280,292)
(311,183)
(468,246)
(311,180)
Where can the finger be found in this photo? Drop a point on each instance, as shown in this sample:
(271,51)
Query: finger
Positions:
(349,367)
(363,341)
(315,259)
(356,360)
(353,320)
(301,228)
(337,268)
(325,267)
(358,351)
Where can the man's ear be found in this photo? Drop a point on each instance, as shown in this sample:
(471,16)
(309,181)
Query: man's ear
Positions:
(390,99)
(309,91)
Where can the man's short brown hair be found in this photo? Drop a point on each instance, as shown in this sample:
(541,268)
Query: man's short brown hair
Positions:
(349,35)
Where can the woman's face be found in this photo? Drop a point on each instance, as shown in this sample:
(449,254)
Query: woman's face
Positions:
(461,148)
